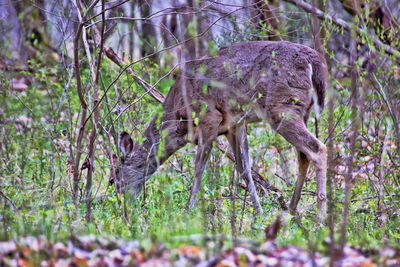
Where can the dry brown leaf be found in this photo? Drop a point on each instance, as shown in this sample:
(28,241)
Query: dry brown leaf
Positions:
(190,251)
(80,261)
(368,263)
(24,263)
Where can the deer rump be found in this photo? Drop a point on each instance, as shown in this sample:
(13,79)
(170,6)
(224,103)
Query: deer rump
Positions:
(247,82)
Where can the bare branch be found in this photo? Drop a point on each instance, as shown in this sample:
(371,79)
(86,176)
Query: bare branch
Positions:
(117,60)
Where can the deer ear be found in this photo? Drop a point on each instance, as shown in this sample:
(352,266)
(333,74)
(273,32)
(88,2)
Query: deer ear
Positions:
(125,143)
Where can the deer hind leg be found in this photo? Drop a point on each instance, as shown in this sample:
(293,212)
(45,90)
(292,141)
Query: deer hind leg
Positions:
(294,130)
(237,138)
(303,163)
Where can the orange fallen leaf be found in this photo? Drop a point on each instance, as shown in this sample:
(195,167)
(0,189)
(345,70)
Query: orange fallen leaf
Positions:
(24,263)
(80,261)
(226,263)
(190,251)
(368,263)
(137,256)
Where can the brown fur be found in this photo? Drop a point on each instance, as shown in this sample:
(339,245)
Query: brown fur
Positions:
(247,82)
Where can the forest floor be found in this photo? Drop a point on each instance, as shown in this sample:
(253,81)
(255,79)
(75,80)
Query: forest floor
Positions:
(91,250)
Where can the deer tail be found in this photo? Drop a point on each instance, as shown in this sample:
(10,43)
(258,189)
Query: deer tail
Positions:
(319,74)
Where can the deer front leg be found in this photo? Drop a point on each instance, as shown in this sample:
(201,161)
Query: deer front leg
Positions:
(237,138)
(202,156)
(207,132)
(303,163)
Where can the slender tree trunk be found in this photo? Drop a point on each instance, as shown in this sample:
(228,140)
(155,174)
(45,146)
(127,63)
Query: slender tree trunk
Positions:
(83,105)
(95,118)
(148,33)
(353,137)
(266,18)
(132,31)
(319,34)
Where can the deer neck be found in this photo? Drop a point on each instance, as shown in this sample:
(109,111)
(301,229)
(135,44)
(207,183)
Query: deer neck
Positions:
(149,149)
(162,140)
(158,133)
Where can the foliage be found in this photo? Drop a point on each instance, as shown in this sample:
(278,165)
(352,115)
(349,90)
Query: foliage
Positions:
(40,125)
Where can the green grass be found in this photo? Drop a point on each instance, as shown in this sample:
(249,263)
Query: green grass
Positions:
(35,157)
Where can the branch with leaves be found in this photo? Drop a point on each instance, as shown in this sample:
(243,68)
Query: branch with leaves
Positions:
(346,26)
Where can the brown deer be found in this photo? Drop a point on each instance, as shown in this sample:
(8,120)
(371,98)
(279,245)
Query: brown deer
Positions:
(247,82)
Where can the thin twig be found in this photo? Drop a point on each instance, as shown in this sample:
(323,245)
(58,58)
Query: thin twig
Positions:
(12,205)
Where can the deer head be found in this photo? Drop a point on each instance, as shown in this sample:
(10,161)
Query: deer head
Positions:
(133,165)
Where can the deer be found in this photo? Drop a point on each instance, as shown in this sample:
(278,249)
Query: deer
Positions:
(247,82)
